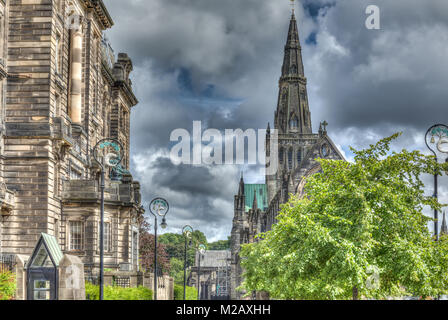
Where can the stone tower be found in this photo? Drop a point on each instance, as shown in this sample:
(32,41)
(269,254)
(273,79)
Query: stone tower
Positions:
(292,117)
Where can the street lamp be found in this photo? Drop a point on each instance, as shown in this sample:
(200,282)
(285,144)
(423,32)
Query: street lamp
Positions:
(108,153)
(201,251)
(187,231)
(436,140)
(158,207)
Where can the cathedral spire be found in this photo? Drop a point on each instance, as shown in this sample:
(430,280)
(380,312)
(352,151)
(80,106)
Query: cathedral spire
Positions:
(293,114)
(241,188)
(292,62)
(444,230)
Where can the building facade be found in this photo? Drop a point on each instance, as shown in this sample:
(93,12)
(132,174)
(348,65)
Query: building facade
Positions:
(62,90)
(212,270)
(256,206)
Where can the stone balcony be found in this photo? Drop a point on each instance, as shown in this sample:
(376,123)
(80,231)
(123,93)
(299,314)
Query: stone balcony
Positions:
(7,200)
(89,191)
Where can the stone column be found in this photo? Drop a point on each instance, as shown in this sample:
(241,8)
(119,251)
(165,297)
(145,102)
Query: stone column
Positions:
(76,75)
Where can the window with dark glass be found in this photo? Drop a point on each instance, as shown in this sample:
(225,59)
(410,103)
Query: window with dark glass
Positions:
(76,234)
(290,159)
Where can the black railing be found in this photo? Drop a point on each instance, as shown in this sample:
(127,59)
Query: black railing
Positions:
(7,263)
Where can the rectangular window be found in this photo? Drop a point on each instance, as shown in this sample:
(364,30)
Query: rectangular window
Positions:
(135,248)
(107,236)
(75,175)
(57,105)
(58,54)
(76,235)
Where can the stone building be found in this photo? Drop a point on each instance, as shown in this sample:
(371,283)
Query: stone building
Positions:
(62,90)
(214,273)
(256,206)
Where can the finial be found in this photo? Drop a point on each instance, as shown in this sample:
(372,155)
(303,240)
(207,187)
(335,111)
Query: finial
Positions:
(292,5)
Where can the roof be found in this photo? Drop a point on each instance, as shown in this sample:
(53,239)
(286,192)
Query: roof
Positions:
(51,246)
(214,258)
(262,195)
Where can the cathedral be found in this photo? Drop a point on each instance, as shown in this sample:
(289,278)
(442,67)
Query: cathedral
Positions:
(257,205)
(62,89)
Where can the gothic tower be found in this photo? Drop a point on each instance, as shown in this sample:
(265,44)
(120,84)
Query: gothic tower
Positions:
(292,117)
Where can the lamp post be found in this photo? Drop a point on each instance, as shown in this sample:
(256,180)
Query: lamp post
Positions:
(108,153)
(201,251)
(437,146)
(187,231)
(158,207)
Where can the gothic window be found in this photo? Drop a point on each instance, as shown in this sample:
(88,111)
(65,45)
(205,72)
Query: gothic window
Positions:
(299,157)
(325,150)
(290,159)
(284,94)
(76,235)
(293,69)
(294,123)
(280,156)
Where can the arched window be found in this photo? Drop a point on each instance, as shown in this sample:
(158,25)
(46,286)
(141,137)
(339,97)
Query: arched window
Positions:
(290,158)
(299,157)
(294,123)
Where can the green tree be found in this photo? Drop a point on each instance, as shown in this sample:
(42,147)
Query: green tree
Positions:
(220,245)
(359,233)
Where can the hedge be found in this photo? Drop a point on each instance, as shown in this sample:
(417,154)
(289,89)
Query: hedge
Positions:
(7,285)
(191,293)
(118,293)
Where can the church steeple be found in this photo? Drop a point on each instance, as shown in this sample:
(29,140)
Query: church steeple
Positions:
(293,115)
(292,62)
(444,230)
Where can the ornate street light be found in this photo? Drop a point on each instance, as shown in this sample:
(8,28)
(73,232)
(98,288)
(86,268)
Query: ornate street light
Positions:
(158,207)
(201,251)
(436,140)
(108,153)
(187,231)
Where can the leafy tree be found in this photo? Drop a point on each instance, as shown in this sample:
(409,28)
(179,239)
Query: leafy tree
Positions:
(220,245)
(359,233)
(7,285)
(146,250)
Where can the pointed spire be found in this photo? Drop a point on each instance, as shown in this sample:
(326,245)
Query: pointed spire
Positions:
(444,230)
(241,188)
(255,204)
(292,62)
(268,131)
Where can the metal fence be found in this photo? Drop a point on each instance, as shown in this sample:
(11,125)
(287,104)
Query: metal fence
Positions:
(7,263)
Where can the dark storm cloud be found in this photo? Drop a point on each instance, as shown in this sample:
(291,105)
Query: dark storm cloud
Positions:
(219,62)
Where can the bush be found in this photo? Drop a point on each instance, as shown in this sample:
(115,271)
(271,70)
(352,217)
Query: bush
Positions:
(7,285)
(191,293)
(118,293)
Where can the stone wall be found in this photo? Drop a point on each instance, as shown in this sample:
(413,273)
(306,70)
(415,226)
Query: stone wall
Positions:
(52,118)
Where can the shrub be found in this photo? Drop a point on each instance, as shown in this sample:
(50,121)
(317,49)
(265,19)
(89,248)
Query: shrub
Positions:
(191,293)
(118,293)
(7,285)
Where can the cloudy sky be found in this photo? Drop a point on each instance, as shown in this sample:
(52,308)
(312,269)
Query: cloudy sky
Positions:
(219,61)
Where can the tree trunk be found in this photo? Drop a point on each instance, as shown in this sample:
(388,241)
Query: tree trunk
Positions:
(355,293)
